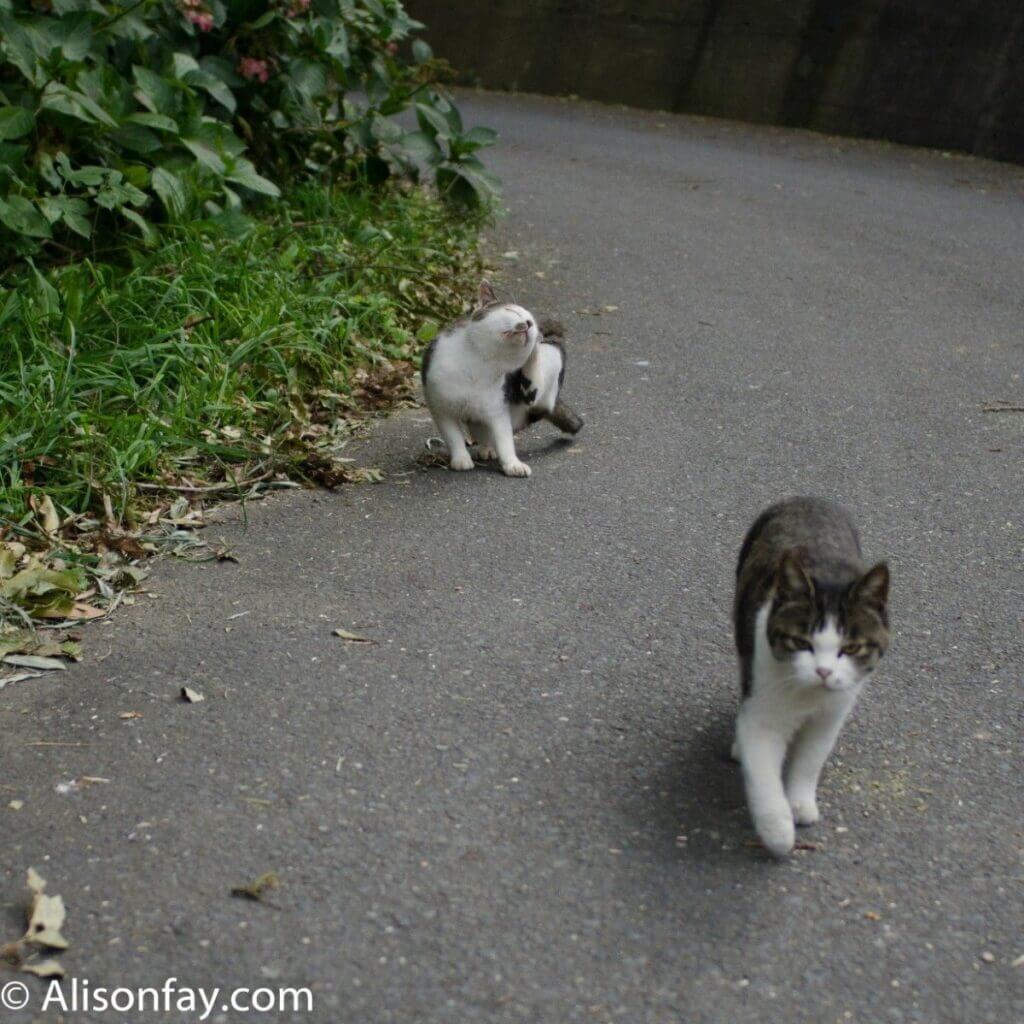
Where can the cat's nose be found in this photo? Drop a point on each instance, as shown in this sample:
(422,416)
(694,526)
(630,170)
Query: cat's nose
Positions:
(823,672)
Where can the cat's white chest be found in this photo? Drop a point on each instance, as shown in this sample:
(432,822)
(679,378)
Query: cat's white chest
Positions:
(462,383)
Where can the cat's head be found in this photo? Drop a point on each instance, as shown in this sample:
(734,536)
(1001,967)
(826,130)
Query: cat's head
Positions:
(509,328)
(830,635)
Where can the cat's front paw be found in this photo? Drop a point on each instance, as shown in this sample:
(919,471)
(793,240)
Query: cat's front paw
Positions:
(461,462)
(486,454)
(805,810)
(516,468)
(777,834)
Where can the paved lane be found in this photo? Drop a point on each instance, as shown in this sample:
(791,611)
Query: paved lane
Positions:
(514,807)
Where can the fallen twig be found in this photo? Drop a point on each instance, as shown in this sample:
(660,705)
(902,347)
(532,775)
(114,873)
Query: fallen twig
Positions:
(228,485)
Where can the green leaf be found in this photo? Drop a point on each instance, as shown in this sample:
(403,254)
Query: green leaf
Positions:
(421,51)
(72,211)
(308,77)
(58,97)
(75,34)
(243,173)
(384,129)
(154,92)
(137,139)
(216,88)
(172,192)
(432,122)
(15,122)
(338,46)
(45,294)
(159,121)
(421,146)
(76,216)
(148,232)
(117,193)
(184,64)
(428,331)
(22,217)
(480,136)
(205,154)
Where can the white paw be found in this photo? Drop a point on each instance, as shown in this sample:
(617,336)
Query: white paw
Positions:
(486,454)
(516,468)
(461,462)
(805,810)
(777,834)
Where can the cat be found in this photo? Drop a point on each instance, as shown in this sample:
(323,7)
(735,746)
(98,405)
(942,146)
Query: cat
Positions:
(475,387)
(811,624)
(533,392)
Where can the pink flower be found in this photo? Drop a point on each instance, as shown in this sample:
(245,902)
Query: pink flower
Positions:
(254,70)
(392,48)
(202,20)
(298,7)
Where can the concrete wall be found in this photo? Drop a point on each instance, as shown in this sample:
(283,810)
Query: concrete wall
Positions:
(944,73)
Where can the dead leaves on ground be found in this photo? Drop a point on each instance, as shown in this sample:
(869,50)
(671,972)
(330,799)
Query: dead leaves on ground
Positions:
(46,916)
(27,649)
(190,696)
(352,638)
(256,889)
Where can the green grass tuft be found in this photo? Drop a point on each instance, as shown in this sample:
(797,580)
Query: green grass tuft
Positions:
(202,353)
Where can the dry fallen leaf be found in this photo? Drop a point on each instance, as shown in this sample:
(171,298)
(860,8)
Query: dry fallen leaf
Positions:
(18,677)
(353,638)
(44,969)
(872,916)
(191,696)
(130,714)
(47,513)
(255,889)
(85,611)
(35,661)
(45,920)
(16,805)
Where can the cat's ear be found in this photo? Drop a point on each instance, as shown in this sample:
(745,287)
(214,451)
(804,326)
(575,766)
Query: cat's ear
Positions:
(873,587)
(791,579)
(486,294)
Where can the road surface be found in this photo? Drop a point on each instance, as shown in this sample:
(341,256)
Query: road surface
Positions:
(515,805)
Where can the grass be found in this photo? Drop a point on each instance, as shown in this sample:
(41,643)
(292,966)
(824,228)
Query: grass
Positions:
(228,349)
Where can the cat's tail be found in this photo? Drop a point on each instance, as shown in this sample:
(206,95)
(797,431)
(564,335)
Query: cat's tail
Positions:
(564,418)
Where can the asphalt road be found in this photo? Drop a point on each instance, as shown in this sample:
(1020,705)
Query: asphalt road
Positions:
(515,805)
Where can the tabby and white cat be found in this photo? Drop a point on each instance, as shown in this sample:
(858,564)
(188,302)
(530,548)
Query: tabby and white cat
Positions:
(490,374)
(811,625)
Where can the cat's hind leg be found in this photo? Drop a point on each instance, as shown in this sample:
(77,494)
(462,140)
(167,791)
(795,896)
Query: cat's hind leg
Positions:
(762,751)
(811,747)
(451,431)
(486,452)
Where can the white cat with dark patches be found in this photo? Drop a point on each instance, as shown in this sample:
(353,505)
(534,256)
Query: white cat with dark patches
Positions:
(811,625)
(490,374)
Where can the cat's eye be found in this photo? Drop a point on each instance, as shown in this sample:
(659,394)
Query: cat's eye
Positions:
(797,643)
(851,650)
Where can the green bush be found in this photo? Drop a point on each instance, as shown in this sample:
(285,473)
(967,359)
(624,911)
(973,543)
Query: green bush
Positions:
(127,114)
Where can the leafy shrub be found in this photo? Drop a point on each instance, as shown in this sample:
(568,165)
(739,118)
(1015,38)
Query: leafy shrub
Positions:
(115,114)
